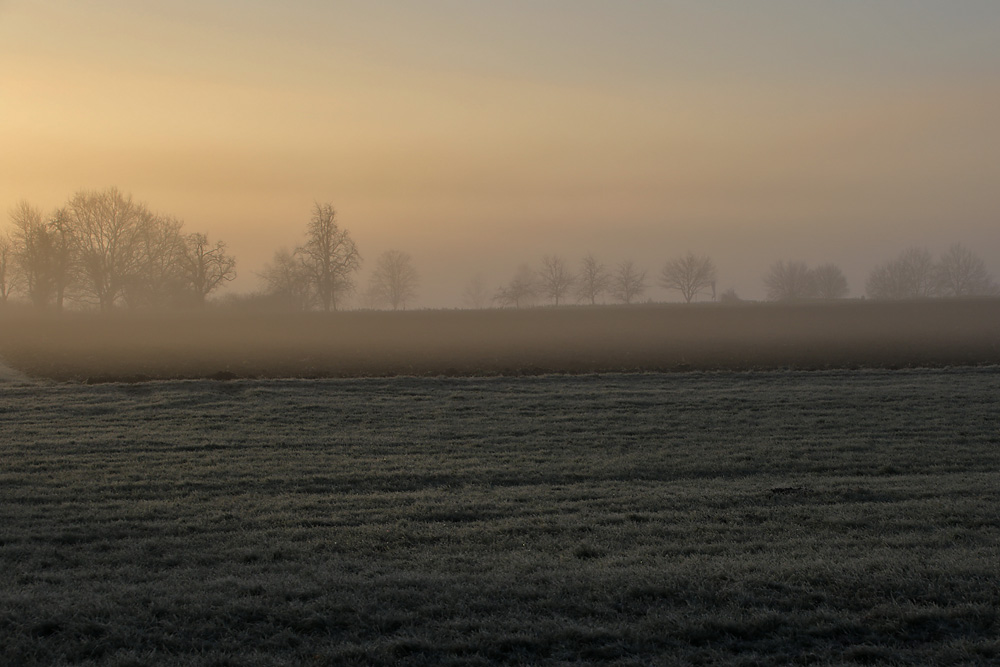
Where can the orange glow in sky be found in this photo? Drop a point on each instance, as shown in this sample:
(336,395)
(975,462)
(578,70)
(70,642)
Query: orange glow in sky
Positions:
(477,136)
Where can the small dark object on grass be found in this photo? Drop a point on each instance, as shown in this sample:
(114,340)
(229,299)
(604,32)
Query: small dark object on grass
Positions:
(786,490)
(586,551)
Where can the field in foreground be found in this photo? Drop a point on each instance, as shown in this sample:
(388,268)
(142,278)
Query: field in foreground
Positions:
(664,337)
(724,518)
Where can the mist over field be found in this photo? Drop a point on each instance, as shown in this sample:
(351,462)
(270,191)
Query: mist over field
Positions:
(471,333)
(633,485)
(663,338)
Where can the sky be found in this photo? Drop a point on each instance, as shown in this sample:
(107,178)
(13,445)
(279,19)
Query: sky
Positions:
(478,136)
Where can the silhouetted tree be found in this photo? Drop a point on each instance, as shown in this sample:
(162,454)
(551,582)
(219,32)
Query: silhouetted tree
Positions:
(64,266)
(34,250)
(520,290)
(7,280)
(689,274)
(105,248)
(789,281)
(555,280)
(329,257)
(829,282)
(961,272)
(592,281)
(287,280)
(912,275)
(205,267)
(476,294)
(158,277)
(107,228)
(395,281)
(628,283)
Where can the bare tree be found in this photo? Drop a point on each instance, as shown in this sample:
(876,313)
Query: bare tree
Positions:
(395,281)
(789,281)
(106,233)
(912,275)
(64,266)
(628,283)
(593,280)
(7,276)
(520,290)
(330,257)
(286,279)
(689,274)
(555,280)
(105,248)
(205,267)
(961,272)
(158,275)
(34,249)
(476,295)
(829,282)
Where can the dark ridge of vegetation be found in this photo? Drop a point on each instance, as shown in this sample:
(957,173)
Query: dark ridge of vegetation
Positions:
(832,517)
(573,340)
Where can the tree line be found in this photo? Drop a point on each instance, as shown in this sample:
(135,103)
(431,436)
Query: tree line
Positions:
(321,272)
(625,282)
(914,274)
(104,249)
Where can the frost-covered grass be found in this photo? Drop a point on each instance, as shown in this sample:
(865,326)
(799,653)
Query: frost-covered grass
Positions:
(734,518)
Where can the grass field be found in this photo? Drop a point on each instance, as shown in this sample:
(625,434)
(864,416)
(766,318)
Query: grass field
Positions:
(825,517)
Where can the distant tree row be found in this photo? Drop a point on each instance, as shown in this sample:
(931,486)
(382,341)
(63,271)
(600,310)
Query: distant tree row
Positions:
(794,281)
(913,274)
(321,272)
(105,249)
(625,282)
(555,282)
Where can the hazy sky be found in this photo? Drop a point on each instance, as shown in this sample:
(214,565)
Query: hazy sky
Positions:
(479,135)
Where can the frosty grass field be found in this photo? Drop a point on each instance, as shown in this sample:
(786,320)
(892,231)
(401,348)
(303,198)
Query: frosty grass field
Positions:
(828,517)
